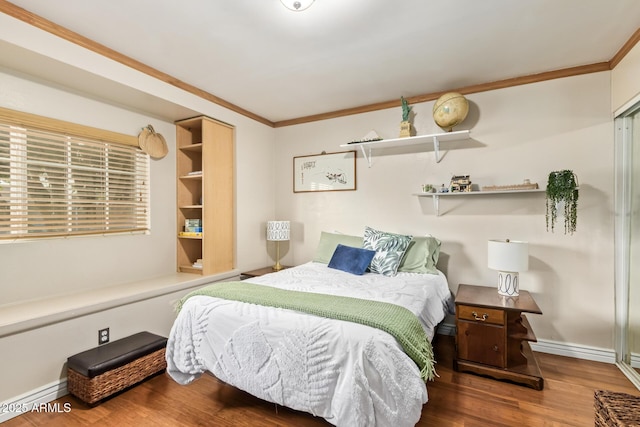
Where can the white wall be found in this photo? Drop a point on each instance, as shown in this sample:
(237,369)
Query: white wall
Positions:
(38,358)
(625,84)
(39,269)
(35,270)
(77,264)
(517,133)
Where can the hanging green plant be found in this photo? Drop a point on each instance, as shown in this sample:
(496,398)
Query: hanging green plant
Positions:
(562,186)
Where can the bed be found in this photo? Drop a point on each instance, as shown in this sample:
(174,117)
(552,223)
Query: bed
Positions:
(349,373)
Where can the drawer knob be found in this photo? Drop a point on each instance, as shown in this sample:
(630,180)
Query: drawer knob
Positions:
(480,319)
(495,348)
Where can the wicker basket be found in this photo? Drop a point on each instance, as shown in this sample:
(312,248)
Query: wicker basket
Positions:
(92,390)
(616,409)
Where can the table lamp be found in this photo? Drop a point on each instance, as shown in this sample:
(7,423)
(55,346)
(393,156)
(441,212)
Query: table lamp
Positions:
(509,257)
(278,231)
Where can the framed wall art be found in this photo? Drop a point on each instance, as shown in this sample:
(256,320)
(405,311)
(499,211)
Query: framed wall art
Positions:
(325,172)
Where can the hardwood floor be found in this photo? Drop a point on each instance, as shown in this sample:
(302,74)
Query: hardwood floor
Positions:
(455,399)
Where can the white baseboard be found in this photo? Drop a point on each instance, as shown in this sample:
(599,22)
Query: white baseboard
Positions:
(576,351)
(558,348)
(27,401)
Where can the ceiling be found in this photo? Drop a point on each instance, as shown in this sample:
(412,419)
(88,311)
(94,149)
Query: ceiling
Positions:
(341,54)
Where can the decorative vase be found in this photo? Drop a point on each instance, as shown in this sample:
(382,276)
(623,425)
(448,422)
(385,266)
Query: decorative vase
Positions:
(405,129)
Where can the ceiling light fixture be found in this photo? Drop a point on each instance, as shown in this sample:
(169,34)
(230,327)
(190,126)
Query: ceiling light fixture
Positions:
(297,5)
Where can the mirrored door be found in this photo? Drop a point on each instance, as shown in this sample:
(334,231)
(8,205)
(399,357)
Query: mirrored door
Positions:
(627,244)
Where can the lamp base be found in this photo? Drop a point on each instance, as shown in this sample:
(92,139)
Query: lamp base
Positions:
(508,283)
(277,266)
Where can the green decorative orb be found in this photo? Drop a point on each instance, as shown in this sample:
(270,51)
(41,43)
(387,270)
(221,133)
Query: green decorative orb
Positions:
(450,110)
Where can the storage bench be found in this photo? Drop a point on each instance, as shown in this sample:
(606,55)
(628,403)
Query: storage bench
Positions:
(616,409)
(102,371)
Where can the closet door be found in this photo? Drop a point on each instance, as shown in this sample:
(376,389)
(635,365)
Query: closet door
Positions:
(634,246)
(627,243)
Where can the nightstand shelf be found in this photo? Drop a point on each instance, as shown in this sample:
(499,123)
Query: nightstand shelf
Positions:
(493,335)
(260,272)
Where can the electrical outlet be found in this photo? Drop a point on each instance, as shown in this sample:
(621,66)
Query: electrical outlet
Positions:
(103,336)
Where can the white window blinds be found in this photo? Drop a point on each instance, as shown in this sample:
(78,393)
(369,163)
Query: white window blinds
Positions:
(55,184)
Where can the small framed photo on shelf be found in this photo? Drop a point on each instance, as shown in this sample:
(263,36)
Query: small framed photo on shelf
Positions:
(325,172)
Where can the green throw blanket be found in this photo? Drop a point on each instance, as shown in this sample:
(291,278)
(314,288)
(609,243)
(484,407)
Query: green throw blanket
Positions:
(391,318)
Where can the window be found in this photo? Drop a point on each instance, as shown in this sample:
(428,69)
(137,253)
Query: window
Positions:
(60,179)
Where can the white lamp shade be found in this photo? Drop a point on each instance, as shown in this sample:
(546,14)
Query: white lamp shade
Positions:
(508,255)
(278,230)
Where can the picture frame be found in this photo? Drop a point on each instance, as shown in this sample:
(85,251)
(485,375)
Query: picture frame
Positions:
(325,172)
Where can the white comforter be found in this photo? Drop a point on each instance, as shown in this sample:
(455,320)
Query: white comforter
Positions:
(347,373)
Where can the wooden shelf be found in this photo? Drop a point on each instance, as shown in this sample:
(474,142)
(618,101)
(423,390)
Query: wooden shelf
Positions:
(197,147)
(205,154)
(526,334)
(193,177)
(434,139)
(189,269)
(528,374)
(436,196)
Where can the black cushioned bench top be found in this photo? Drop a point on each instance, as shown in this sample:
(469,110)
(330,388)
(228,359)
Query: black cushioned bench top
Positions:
(115,354)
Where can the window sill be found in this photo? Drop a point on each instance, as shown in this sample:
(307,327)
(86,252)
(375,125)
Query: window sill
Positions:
(23,316)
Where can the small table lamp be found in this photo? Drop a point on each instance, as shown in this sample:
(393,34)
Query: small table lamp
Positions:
(509,257)
(278,231)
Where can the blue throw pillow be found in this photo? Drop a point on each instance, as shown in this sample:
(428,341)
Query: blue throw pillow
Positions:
(350,259)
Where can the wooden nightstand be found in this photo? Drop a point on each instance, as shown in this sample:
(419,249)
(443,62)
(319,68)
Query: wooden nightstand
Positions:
(493,335)
(260,272)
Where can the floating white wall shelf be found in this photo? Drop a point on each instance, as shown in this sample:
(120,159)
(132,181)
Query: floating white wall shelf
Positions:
(435,138)
(436,196)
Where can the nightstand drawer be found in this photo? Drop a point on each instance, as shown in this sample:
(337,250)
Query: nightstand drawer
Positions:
(480,314)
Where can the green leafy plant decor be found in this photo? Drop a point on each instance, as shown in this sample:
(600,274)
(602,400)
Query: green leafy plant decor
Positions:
(562,186)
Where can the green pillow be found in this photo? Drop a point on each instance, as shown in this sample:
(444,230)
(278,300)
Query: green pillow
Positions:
(329,242)
(421,256)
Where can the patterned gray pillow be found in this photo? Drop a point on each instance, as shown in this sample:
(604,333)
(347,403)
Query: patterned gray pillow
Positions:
(389,249)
